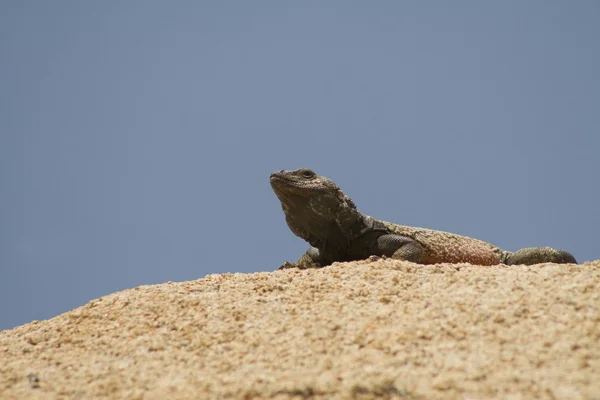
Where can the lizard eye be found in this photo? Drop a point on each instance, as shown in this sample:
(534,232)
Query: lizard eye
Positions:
(308,173)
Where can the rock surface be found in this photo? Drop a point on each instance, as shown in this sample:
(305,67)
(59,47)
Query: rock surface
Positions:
(367,329)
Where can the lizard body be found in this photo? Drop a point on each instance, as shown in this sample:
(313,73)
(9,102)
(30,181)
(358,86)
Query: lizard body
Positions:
(319,212)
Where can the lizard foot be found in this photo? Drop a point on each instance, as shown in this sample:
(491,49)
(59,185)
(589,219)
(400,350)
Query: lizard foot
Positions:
(288,265)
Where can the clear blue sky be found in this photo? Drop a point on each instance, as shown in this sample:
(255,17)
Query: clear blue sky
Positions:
(137,138)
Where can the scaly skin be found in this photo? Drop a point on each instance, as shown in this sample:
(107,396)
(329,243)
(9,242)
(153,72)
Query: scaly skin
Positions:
(319,212)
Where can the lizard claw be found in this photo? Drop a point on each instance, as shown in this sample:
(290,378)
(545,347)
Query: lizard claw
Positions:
(288,265)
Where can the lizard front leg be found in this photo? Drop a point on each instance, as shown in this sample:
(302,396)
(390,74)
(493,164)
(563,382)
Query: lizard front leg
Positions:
(400,247)
(310,259)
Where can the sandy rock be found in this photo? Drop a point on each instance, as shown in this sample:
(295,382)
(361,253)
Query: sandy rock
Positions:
(363,330)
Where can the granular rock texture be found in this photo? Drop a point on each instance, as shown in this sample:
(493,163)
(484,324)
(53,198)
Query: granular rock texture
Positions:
(364,330)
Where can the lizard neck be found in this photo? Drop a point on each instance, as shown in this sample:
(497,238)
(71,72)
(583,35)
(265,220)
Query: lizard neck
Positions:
(331,228)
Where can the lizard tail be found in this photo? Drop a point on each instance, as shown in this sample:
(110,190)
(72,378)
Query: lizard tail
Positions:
(538,255)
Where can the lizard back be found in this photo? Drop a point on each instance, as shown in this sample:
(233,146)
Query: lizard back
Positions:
(446,247)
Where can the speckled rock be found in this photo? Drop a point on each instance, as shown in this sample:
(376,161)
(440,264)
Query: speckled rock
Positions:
(367,329)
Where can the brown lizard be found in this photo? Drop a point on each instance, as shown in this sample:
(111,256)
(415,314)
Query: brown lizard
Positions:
(319,212)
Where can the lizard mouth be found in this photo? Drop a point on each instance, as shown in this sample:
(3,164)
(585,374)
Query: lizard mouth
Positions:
(284,187)
(277,179)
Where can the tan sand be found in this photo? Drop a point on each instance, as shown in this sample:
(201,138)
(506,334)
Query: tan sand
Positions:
(364,330)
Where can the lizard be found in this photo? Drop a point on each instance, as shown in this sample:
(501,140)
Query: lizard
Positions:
(317,211)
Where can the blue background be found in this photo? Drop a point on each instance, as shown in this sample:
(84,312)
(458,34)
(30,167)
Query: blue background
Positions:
(137,138)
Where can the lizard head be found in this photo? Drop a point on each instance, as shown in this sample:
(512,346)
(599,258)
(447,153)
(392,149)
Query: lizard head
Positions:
(301,182)
(313,204)
(301,185)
